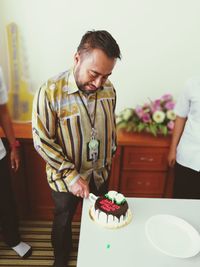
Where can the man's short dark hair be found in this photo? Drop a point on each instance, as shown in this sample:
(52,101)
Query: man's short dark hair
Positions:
(102,40)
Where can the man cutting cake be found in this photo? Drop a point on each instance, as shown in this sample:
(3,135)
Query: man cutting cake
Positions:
(74,131)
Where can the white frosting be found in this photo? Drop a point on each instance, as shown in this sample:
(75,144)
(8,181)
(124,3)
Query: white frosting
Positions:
(110,221)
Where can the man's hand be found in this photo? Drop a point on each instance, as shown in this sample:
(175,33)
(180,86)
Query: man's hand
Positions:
(80,188)
(15,159)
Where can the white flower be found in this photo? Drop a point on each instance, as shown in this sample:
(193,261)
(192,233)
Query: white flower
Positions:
(127,113)
(111,195)
(171,115)
(119,119)
(158,116)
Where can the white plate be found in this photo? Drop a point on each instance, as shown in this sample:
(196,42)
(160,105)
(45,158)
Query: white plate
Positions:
(173,236)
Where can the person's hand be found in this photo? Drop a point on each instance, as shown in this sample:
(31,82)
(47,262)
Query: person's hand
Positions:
(15,159)
(171,157)
(80,188)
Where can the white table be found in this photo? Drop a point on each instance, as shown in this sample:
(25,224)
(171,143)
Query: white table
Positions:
(128,246)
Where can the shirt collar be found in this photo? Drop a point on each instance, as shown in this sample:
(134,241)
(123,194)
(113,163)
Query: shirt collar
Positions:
(71,83)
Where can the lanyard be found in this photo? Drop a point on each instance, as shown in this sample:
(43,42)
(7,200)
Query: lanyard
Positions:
(92,122)
(93,146)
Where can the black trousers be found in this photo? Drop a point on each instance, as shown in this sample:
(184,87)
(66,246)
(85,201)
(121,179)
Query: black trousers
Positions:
(8,215)
(186,183)
(65,207)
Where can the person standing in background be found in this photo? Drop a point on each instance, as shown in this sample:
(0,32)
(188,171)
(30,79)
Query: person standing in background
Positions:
(184,151)
(74,131)
(8,215)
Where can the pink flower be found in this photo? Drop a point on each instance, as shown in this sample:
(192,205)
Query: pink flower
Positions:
(169,105)
(166,97)
(156,105)
(139,111)
(146,117)
(157,102)
(170,125)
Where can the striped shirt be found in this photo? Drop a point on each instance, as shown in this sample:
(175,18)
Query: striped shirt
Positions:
(62,130)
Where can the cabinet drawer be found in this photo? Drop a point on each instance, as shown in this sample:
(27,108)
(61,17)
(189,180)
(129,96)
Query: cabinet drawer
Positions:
(142,182)
(145,158)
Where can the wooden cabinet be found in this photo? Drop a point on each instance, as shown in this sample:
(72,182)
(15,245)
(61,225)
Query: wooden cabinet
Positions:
(139,169)
(142,169)
(145,158)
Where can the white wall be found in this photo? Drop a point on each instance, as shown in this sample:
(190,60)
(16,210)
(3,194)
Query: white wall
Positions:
(159,40)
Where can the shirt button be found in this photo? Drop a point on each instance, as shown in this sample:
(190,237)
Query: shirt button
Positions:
(52,86)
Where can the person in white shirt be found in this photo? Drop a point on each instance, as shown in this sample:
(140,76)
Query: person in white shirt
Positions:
(184,151)
(8,215)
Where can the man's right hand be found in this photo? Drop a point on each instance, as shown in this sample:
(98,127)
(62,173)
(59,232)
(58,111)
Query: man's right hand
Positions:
(80,188)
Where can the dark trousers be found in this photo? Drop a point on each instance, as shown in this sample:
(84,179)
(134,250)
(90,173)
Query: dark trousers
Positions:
(61,237)
(8,215)
(186,183)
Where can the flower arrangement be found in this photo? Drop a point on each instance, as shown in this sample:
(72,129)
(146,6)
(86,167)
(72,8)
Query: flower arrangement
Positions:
(155,117)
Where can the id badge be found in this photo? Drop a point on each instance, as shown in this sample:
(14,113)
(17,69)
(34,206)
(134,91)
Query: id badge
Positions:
(93,150)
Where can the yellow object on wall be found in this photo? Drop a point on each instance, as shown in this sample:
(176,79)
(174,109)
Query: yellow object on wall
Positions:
(20,97)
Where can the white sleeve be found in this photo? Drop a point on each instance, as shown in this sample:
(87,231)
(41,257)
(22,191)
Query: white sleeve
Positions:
(3,90)
(182,106)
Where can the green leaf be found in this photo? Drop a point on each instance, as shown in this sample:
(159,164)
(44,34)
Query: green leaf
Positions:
(153,129)
(163,129)
(140,127)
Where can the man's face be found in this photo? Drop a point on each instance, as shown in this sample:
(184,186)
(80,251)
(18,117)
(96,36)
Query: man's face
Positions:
(92,69)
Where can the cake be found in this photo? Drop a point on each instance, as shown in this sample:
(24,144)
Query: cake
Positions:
(110,210)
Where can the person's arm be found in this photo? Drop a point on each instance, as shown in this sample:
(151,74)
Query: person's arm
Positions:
(44,123)
(6,124)
(176,135)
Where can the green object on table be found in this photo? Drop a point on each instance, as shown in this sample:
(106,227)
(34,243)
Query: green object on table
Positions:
(108,246)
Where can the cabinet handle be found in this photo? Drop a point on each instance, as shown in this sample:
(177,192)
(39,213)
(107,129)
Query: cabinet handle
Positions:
(146,159)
